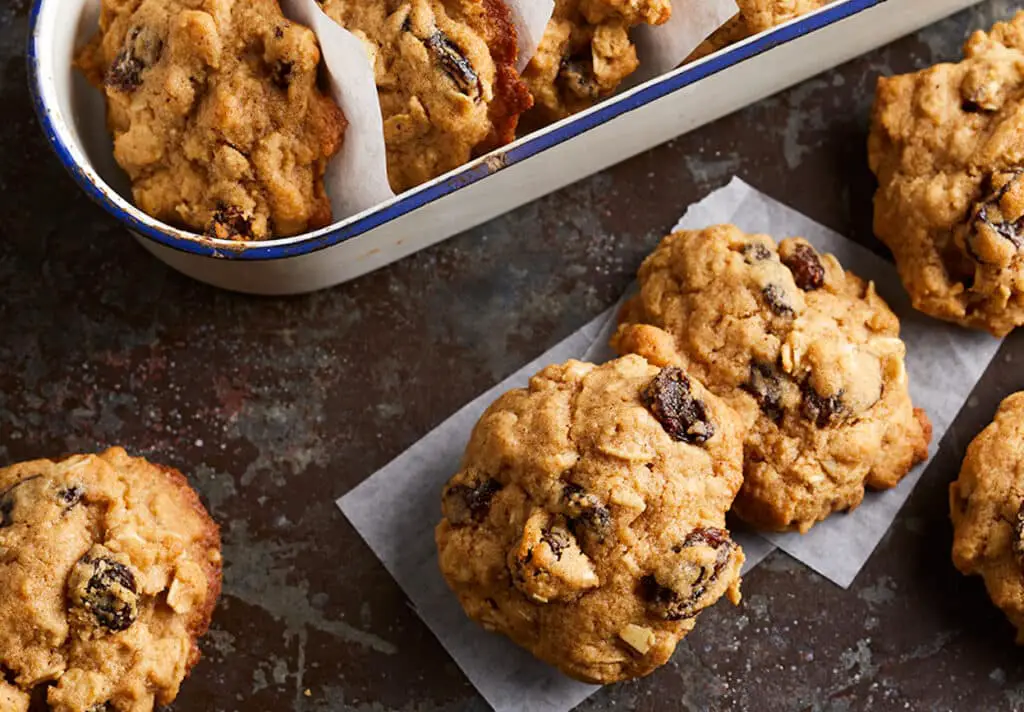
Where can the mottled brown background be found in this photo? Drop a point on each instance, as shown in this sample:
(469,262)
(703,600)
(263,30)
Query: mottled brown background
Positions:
(277,406)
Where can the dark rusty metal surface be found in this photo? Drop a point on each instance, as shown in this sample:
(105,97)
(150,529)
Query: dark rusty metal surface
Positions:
(274,407)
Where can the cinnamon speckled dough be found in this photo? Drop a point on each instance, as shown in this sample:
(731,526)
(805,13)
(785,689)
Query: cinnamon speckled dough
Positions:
(987,507)
(446,79)
(945,145)
(109,572)
(585,54)
(807,354)
(587,521)
(755,16)
(216,114)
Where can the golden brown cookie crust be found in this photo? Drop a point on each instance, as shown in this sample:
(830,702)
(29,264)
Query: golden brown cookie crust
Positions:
(809,356)
(585,53)
(588,520)
(986,503)
(110,568)
(944,145)
(755,16)
(446,79)
(216,114)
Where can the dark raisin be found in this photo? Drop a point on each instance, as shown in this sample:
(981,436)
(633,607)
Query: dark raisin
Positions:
(766,386)
(707,536)
(70,496)
(558,539)
(229,223)
(7,502)
(671,604)
(1007,229)
(141,50)
(588,519)
(818,408)
(463,504)
(756,252)
(1018,535)
(576,76)
(806,267)
(281,73)
(454,64)
(775,297)
(669,399)
(278,32)
(109,593)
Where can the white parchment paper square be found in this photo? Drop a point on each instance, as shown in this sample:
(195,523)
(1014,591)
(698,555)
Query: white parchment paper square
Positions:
(395,510)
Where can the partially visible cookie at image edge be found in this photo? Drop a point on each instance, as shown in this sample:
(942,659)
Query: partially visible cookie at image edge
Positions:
(110,568)
(945,146)
(986,504)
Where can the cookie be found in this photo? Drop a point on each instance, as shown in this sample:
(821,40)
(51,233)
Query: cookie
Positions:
(109,572)
(809,356)
(446,78)
(587,522)
(585,53)
(945,146)
(216,114)
(755,16)
(761,15)
(986,504)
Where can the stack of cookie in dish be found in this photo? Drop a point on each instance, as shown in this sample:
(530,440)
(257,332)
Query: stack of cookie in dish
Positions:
(223,129)
(588,520)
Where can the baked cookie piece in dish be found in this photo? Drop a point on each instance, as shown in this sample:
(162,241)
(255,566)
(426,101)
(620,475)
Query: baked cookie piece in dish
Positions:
(585,53)
(808,354)
(587,522)
(755,16)
(110,568)
(446,79)
(945,145)
(216,114)
(987,507)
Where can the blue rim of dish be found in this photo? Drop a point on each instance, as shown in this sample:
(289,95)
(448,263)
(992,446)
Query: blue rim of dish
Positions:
(472,173)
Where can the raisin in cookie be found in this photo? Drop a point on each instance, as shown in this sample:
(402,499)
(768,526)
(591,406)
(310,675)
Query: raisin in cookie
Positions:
(109,572)
(587,521)
(585,54)
(987,508)
(446,78)
(945,145)
(216,114)
(807,354)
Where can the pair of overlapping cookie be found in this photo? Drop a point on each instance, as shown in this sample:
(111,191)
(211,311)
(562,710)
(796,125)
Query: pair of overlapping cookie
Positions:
(588,520)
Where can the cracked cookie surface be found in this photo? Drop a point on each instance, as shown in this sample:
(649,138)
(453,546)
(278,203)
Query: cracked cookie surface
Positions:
(109,571)
(446,79)
(216,114)
(585,54)
(587,522)
(986,505)
(809,356)
(945,147)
